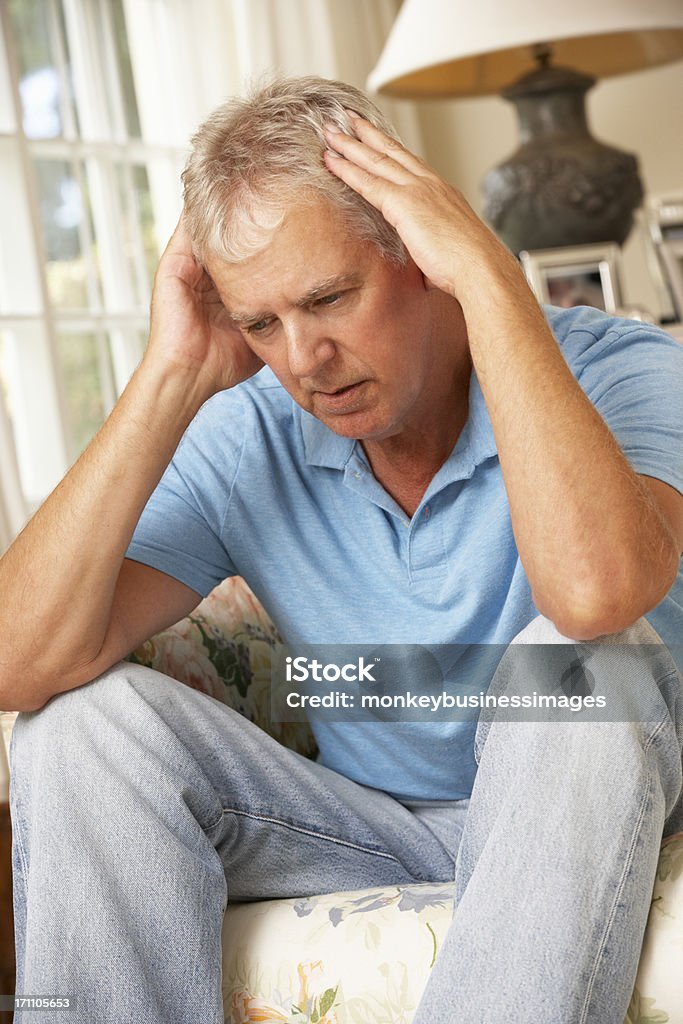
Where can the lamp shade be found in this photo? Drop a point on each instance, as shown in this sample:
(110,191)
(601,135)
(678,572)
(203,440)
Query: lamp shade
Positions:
(459,48)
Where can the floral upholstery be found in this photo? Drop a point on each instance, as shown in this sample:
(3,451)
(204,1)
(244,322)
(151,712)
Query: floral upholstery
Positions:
(352,957)
(658,995)
(224,648)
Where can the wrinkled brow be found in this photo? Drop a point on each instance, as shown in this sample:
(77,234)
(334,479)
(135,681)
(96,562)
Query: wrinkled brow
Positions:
(326,287)
(332,284)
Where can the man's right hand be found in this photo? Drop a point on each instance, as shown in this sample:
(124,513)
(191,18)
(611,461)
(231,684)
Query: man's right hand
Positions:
(190,327)
(81,604)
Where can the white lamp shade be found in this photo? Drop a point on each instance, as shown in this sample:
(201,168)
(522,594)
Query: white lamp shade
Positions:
(477,47)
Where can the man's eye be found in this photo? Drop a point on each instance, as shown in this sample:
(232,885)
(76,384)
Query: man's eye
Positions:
(329,300)
(258,327)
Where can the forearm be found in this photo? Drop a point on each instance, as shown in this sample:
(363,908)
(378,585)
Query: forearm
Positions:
(58,578)
(595,547)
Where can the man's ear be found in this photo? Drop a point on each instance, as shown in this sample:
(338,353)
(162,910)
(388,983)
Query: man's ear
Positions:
(429,286)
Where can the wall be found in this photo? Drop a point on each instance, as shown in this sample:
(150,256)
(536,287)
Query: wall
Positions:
(640,112)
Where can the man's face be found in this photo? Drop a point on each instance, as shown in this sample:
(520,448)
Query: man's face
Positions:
(346,332)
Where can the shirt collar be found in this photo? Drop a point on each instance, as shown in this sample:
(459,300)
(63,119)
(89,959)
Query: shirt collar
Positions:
(322,447)
(476,443)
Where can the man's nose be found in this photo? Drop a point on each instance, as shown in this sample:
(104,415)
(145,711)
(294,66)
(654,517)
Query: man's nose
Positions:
(308,349)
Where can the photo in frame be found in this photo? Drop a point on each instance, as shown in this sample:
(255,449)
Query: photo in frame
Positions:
(671,253)
(577,275)
(665,222)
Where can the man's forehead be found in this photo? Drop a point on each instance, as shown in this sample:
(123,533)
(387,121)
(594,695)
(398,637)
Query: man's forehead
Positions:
(311,251)
(307,294)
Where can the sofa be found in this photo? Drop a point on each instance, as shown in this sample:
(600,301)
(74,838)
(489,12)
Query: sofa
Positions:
(358,957)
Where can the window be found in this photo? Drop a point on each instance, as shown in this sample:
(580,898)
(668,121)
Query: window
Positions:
(90,160)
(97,101)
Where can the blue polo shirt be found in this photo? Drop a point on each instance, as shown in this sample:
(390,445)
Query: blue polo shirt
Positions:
(262,489)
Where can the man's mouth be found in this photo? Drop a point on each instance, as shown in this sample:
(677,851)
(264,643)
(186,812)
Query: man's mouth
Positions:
(346,398)
(339,391)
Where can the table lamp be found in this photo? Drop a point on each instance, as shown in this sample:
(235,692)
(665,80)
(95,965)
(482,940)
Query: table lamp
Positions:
(561,187)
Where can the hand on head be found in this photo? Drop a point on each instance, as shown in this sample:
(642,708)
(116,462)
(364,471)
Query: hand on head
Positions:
(442,233)
(190,326)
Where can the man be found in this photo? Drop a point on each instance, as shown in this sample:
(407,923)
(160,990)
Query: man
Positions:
(425,464)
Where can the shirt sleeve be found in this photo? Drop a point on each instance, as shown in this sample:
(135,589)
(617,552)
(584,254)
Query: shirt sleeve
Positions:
(633,375)
(180,529)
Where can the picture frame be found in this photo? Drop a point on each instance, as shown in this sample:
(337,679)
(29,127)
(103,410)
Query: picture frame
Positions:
(576,275)
(664,216)
(671,255)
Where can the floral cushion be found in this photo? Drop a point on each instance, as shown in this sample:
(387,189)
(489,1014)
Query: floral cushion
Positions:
(224,649)
(353,956)
(658,995)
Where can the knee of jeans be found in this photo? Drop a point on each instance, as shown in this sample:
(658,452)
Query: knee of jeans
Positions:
(68,718)
(634,653)
(627,678)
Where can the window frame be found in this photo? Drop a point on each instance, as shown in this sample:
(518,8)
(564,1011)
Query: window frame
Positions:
(103,159)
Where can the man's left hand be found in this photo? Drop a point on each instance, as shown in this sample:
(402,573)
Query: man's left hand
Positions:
(449,243)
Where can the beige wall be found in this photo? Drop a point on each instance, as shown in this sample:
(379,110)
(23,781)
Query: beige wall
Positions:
(641,112)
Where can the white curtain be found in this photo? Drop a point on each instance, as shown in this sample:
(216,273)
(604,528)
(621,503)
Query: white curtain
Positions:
(188,57)
(333,38)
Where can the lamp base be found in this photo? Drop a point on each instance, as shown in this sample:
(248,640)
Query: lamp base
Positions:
(562,186)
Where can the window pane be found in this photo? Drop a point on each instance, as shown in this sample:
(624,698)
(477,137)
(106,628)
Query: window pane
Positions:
(19,273)
(137,231)
(4,377)
(66,229)
(102,212)
(130,105)
(13,513)
(27,374)
(7,119)
(81,356)
(143,201)
(43,67)
(127,347)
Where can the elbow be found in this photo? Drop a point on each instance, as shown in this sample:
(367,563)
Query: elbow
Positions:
(22,690)
(585,624)
(13,702)
(32,705)
(608,604)
(20,698)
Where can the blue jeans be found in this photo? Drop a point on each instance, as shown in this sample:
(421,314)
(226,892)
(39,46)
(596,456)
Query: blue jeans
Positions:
(141,806)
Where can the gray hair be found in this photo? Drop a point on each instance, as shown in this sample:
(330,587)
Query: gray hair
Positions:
(253,157)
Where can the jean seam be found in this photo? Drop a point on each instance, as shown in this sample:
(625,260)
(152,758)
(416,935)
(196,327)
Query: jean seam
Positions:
(210,828)
(671,674)
(14,804)
(620,887)
(314,833)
